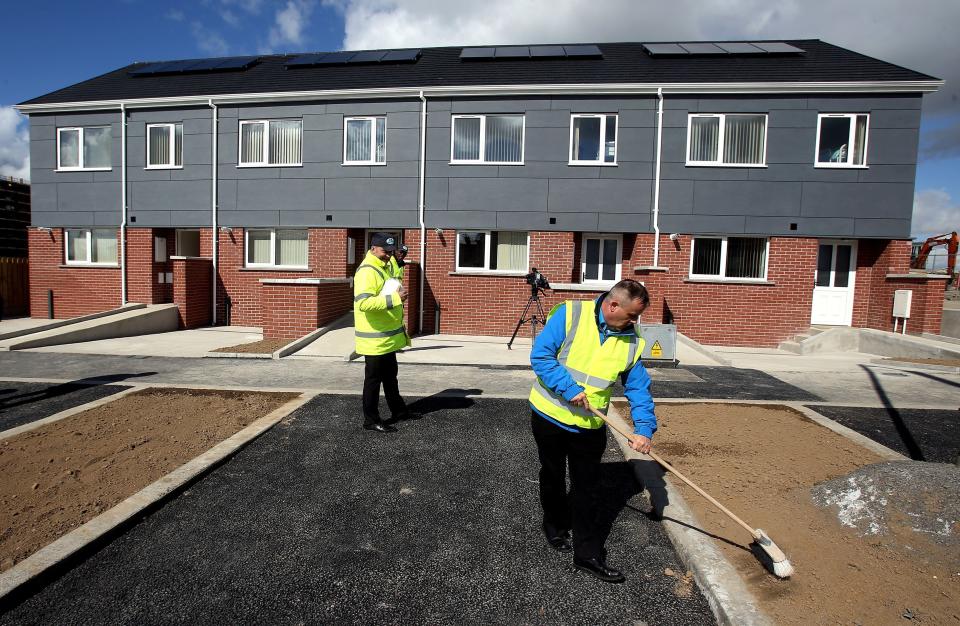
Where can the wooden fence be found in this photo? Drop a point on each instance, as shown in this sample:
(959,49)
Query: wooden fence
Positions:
(14,287)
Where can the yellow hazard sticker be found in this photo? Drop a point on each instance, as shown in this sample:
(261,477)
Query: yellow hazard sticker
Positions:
(656,351)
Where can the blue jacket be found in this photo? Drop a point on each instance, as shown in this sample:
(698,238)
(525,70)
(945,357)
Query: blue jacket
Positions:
(636,381)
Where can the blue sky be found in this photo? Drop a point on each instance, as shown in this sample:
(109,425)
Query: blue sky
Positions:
(54,44)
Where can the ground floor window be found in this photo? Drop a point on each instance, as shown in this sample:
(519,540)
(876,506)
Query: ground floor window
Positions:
(188,242)
(277,248)
(742,258)
(492,250)
(600,258)
(91,246)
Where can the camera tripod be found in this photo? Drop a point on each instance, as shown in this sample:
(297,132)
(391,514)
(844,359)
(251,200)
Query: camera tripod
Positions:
(537,317)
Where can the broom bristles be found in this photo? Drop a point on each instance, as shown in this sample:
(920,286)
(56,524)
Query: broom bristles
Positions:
(771,556)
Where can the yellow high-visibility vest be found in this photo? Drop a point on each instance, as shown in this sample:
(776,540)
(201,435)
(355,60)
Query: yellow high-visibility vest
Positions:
(377,319)
(593,366)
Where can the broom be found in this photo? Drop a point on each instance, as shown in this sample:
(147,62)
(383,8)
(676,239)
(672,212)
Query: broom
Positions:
(766,551)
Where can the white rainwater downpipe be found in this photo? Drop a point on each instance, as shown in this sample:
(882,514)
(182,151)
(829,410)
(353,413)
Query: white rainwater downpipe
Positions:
(420,203)
(213,208)
(123,204)
(656,182)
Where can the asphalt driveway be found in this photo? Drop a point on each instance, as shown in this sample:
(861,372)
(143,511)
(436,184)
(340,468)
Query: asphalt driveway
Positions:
(319,521)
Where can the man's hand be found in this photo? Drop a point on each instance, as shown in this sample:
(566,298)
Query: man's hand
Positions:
(403,293)
(640,443)
(580,400)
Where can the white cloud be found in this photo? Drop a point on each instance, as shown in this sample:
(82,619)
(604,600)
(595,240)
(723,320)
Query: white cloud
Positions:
(289,24)
(175,15)
(208,40)
(14,144)
(934,212)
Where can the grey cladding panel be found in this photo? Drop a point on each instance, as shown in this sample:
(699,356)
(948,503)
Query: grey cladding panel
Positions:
(88,196)
(394,219)
(636,144)
(489,195)
(548,119)
(190,218)
(676,196)
(603,196)
(187,195)
(375,194)
(43,198)
(403,144)
(894,229)
(499,105)
(546,144)
(624,223)
(281,194)
(435,194)
(857,104)
(892,146)
(323,146)
(895,118)
(323,122)
(791,145)
(151,218)
(859,200)
(43,155)
(43,133)
(746,198)
(460,219)
(249,219)
(806,227)
(702,224)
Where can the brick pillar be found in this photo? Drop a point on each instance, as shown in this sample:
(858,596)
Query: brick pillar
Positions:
(293,309)
(192,290)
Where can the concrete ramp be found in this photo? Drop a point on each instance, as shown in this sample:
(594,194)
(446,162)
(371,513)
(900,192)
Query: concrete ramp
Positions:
(157,318)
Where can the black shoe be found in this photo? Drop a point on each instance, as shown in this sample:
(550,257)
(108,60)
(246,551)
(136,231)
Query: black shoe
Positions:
(407,415)
(599,568)
(380,427)
(558,540)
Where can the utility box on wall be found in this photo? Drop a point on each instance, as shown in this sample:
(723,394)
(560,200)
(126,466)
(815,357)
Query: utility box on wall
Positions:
(660,346)
(902,299)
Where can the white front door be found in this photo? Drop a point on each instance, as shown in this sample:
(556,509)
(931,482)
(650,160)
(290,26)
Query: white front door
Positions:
(835,280)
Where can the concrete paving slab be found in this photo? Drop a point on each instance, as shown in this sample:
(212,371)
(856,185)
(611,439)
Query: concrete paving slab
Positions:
(872,385)
(24,403)
(922,435)
(179,343)
(318,521)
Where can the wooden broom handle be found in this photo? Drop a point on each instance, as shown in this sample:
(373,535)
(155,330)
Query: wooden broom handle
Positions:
(620,429)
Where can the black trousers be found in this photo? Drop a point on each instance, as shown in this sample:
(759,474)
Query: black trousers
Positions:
(581,451)
(381,369)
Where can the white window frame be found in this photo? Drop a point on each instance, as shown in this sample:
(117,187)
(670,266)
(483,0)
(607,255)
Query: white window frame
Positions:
(373,139)
(583,258)
(603,133)
(81,157)
(178,247)
(483,139)
(273,250)
(486,252)
(89,247)
(853,131)
(722,136)
(171,127)
(722,277)
(266,144)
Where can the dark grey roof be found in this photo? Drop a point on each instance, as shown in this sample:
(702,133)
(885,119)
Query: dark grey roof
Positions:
(621,63)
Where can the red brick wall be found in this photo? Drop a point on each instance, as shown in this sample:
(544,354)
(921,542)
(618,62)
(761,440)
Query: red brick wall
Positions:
(291,311)
(76,290)
(142,271)
(191,290)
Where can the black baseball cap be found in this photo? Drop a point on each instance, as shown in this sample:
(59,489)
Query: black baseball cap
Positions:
(382,240)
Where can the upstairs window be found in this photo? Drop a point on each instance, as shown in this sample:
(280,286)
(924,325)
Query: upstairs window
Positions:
(493,251)
(842,140)
(735,258)
(365,141)
(164,145)
(593,139)
(277,248)
(488,139)
(727,139)
(91,246)
(87,148)
(265,143)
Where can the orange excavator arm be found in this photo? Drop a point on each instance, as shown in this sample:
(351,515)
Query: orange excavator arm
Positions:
(951,241)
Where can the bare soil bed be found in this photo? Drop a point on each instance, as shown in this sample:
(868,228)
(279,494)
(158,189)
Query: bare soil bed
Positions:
(264,346)
(762,462)
(59,476)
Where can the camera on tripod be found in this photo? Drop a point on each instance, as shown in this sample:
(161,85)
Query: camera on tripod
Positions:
(536,280)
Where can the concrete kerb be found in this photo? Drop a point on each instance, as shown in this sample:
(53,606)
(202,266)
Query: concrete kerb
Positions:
(907,365)
(301,343)
(115,518)
(13,432)
(72,320)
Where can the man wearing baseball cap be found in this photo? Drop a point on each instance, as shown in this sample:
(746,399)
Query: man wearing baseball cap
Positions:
(379,332)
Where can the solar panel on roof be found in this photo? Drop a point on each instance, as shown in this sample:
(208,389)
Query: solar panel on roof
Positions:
(402,55)
(541,52)
(332,58)
(513,52)
(478,53)
(368,56)
(738,47)
(701,48)
(586,50)
(660,49)
(776,47)
(235,63)
(195,65)
(304,59)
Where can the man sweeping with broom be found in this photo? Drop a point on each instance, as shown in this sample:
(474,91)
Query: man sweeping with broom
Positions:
(584,347)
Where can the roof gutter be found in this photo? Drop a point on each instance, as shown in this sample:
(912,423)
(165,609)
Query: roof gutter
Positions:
(907,86)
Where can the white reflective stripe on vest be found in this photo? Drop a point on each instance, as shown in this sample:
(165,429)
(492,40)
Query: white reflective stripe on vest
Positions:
(374,335)
(582,378)
(560,403)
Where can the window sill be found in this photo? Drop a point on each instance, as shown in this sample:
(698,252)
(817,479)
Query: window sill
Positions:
(164,167)
(89,266)
(590,164)
(729,281)
(826,166)
(488,274)
(736,165)
(274,268)
(252,165)
(595,287)
(84,169)
(364,164)
(484,163)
